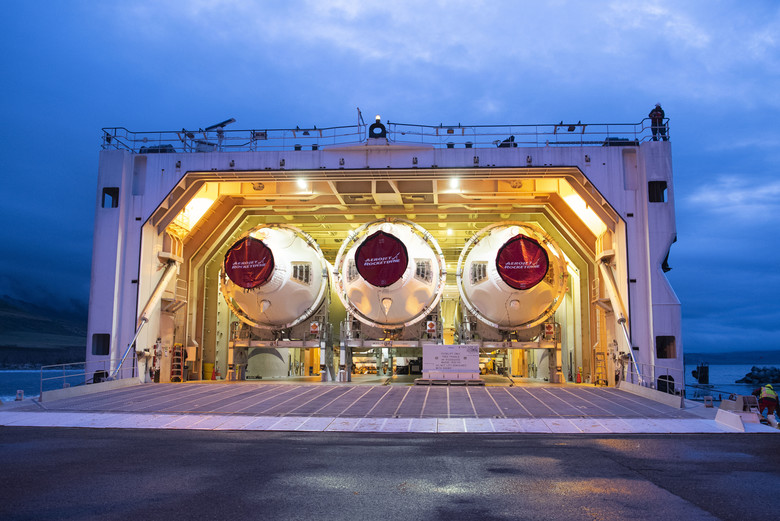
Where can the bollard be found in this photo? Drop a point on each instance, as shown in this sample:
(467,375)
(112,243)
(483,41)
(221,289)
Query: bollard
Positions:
(19,395)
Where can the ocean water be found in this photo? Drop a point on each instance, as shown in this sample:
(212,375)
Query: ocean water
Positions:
(722,380)
(29,381)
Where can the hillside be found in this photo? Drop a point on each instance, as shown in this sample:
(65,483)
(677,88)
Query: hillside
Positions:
(32,335)
(760,358)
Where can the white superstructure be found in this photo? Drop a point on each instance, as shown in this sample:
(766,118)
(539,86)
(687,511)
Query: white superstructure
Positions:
(599,199)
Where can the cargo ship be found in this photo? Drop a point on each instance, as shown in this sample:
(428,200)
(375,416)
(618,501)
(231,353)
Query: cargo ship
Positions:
(326,252)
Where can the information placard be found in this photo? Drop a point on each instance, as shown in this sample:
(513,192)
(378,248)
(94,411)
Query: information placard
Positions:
(462,358)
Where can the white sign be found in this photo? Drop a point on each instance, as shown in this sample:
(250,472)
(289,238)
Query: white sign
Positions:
(451,359)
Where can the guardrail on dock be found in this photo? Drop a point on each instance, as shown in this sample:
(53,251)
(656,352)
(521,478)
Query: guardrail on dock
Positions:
(62,376)
(662,379)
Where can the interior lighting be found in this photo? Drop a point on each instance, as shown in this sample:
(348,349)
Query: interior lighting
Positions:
(585,214)
(450,231)
(301,183)
(454,182)
(192,213)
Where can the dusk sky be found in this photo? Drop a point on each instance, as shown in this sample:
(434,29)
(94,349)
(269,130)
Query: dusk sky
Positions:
(71,68)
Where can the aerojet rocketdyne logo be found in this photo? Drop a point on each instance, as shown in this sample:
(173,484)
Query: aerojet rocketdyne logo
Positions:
(381,259)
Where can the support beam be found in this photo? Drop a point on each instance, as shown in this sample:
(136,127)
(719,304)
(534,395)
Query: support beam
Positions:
(618,308)
(170,271)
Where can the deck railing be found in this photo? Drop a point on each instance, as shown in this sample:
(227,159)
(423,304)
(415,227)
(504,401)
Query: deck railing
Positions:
(442,136)
(663,379)
(61,376)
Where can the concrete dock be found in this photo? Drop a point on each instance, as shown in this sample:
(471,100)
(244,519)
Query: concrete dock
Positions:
(364,407)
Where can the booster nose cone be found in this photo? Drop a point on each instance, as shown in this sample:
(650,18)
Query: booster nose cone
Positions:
(511,275)
(391,273)
(274,277)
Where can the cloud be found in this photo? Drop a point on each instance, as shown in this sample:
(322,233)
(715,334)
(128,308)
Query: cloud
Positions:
(744,199)
(714,65)
(655,18)
(697,50)
(764,142)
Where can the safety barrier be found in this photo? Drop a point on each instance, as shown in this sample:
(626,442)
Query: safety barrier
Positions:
(662,379)
(62,376)
(441,136)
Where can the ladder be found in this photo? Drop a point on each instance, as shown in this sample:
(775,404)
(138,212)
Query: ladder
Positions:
(177,363)
(600,376)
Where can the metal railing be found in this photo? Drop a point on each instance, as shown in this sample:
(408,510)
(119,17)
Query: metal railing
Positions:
(510,136)
(442,136)
(62,376)
(663,379)
(221,140)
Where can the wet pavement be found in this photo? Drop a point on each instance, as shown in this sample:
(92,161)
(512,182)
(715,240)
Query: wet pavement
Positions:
(121,474)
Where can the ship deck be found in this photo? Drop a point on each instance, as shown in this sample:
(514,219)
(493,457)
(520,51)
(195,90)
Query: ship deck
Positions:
(365,407)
